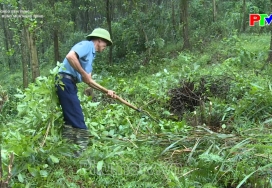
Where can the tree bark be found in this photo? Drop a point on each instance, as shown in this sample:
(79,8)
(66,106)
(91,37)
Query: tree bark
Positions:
(33,55)
(73,13)
(25,56)
(173,17)
(269,59)
(244,16)
(184,23)
(214,11)
(109,12)
(55,34)
(1,169)
(146,41)
(56,46)
(5,29)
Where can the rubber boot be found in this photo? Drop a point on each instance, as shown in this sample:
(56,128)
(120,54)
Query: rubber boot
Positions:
(69,134)
(82,139)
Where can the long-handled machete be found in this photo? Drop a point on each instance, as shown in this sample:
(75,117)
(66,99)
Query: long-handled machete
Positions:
(135,108)
(129,105)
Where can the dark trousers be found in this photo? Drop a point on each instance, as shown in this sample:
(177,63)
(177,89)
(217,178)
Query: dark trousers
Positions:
(72,111)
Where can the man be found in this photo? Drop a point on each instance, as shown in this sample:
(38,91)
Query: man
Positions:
(77,67)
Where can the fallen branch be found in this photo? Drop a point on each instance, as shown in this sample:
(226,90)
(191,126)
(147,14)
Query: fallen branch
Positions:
(4,184)
(46,134)
(11,158)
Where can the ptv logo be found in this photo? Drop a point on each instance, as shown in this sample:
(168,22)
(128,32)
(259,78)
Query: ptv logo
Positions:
(263,19)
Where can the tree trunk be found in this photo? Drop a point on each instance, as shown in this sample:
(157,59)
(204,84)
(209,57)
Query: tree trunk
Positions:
(146,41)
(5,29)
(269,59)
(33,56)
(24,56)
(173,19)
(109,12)
(1,170)
(244,16)
(73,14)
(184,23)
(214,11)
(56,46)
(2,183)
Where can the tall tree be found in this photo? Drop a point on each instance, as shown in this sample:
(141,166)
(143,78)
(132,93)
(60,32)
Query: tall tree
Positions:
(6,33)
(109,18)
(56,21)
(24,54)
(214,10)
(173,16)
(24,49)
(245,16)
(55,31)
(184,4)
(73,12)
(33,55)
(269,59)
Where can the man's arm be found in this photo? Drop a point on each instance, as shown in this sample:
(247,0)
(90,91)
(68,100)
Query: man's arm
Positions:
(74,62)
(95,85)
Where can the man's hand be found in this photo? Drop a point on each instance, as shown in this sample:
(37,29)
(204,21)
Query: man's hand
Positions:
(111,94)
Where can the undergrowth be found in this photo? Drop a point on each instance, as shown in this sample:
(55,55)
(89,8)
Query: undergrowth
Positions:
(129,149)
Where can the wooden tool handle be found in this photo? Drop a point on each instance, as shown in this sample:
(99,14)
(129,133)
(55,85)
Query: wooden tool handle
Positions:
(127,103)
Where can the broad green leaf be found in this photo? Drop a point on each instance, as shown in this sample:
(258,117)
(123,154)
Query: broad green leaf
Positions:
(43,173)
(99,165)
(20,96)
(94,134)
(54,159)
(82,171)
(21,178)
(93,104)
(33,171)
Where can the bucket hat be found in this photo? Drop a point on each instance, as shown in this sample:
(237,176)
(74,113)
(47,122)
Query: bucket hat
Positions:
(101,33)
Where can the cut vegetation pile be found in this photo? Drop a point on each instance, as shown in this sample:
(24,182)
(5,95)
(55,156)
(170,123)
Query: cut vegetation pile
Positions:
(191,96)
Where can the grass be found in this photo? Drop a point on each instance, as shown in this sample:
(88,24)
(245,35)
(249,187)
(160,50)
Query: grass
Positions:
(256,43)
(165,154)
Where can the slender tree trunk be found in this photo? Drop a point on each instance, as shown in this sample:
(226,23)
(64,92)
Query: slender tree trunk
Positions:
(33,56)
(109,12)
(244,16)
(214,11)
(73,13)
(269,59)
(5,29)
(85,25)
(55,35)
(24,49)
(184,23)
(1,170)
(56,46)
(173,17)
(2,183)
(24,56)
